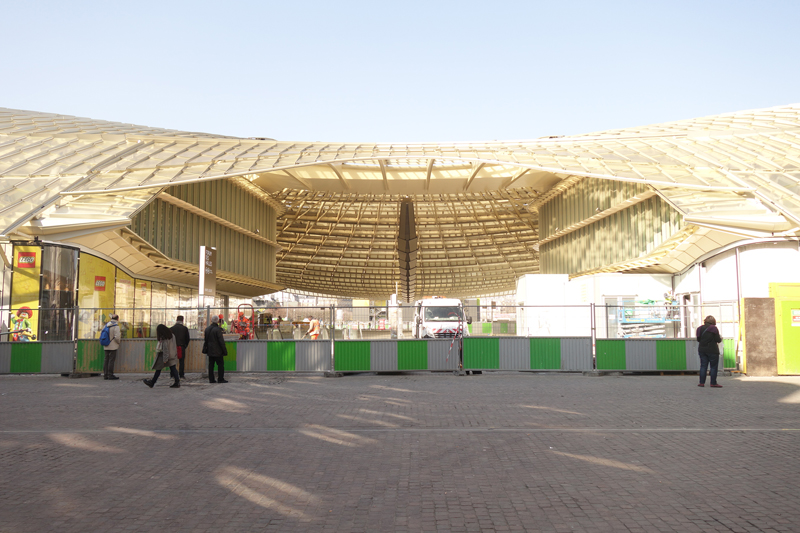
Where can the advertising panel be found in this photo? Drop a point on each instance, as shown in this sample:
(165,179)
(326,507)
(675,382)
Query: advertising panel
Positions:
(23,323)
(95,295)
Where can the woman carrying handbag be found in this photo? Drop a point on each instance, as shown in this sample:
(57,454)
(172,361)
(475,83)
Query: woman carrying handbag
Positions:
(167,356)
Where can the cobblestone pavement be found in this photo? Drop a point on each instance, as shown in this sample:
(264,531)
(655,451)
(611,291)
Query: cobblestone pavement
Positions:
(401,452)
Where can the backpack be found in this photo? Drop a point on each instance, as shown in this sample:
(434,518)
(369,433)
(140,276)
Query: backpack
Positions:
(105,336)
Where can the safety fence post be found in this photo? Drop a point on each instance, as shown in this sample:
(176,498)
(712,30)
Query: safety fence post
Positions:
(332,330)
(204,374)
(593,321)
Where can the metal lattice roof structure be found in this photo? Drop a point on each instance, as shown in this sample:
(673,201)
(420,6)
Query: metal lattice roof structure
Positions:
(731,176)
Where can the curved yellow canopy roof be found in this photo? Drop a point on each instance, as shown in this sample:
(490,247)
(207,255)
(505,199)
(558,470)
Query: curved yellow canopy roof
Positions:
(476,203)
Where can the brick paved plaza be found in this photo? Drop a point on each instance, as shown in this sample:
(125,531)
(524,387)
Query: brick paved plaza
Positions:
(401,452)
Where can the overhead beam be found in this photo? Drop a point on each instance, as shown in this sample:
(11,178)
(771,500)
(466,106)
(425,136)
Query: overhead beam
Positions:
(477,168)
(338,172)
(428,176)
(300,180)
(383,173)
(515,177)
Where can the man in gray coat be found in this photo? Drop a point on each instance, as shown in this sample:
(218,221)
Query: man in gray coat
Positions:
(111,350)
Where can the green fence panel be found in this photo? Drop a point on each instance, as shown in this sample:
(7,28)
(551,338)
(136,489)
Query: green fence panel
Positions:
(90,356)
(352,356)
(150,353)
(230,359)
(729,353)
(671,354)
(610,354)
(546,354)
(481,353)
(281,357)
(26,357)
(412,355)
(486,328)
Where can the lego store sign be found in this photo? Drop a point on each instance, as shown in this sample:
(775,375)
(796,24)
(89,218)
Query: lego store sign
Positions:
(26,260)
(99,283)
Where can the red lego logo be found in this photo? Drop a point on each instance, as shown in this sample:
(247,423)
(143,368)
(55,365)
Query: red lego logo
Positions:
(26,260)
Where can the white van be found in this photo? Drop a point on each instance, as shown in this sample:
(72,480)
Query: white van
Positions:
(440,318)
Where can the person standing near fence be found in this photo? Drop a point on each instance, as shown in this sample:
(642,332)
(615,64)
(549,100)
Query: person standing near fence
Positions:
(214,347)
(181,334)
(709,338)
(313,328)
(167,356)
(115,337)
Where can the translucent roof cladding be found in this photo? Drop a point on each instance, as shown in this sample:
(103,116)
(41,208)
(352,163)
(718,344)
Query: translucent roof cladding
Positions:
(736,172)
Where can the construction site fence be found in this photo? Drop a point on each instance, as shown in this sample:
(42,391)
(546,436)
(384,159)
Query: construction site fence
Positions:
(539,354)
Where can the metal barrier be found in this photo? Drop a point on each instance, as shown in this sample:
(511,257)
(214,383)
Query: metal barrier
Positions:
(558,354)
(48,357)
(647,355)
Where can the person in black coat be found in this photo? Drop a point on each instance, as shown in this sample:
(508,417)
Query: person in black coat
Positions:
(215,350)
(181,334)
(709,338)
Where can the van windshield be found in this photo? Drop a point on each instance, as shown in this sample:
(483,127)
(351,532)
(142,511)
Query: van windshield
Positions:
(444,313)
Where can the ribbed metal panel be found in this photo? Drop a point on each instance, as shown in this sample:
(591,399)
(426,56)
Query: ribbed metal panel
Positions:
(545,353)
(640,354)
(178,233)
(196,360)
(481,353)
(131,356)
(281,356)
(692,357)
(90,356)
(5,357)
(312,356)
(57,357)
(440,357)
(383,356)
(412,355)
(671,354)
(26,357)
(251,356)
(515,353)
(610,354)
(621,236)
(576,354)
(352,356)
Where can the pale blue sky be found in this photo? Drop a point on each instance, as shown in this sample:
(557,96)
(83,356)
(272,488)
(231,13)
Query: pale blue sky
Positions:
(398,71)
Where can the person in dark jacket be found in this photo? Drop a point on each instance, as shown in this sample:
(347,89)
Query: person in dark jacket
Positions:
(215,344)
(181,334)
(709,338)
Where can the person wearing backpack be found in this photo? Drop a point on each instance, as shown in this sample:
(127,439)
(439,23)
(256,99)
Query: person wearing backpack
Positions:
(112,332)
(709,338)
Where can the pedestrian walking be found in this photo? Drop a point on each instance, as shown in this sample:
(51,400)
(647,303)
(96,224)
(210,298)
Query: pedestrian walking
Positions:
(167,356)
(214,347)
(709,338)
(181,334)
